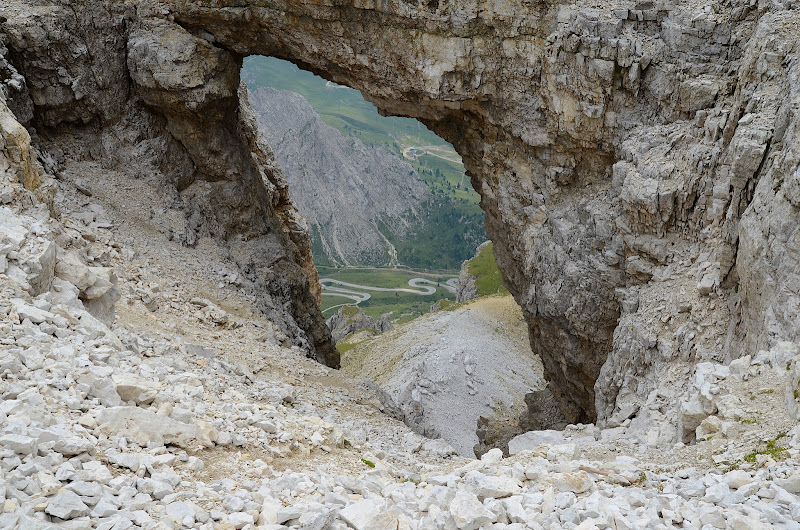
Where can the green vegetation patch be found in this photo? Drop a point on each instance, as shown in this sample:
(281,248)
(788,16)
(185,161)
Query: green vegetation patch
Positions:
(354,339)
(488,279)
(350,310)
(772,449)
(449,305)
(445,234)
(345,347)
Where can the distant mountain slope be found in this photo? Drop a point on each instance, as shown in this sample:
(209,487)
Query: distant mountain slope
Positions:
(437,233)
(340,107)
(343,188)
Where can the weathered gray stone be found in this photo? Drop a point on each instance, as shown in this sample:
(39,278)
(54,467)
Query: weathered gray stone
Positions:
(85,489)
(131,387)
(791,484)
(792,392)
(142,426)
(73,446)
(240,520)
(19,443)
(739,367)
(288,513)
(41,269)
(361,514)
(347,321)
(103,389)
(72,269)
(467,511)
(66,505)
(180,510)
(157,489)
(99,299)
(35,315)
(533,439)
(487,486)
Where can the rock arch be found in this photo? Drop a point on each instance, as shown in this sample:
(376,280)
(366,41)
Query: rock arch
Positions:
(615,149)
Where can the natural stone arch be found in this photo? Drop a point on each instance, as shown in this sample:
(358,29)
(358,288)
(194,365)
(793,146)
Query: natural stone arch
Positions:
(606,144)
(445,67)
(541,100)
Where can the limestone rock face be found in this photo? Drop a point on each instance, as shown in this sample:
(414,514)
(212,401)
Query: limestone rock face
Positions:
(637,161)
(166,105)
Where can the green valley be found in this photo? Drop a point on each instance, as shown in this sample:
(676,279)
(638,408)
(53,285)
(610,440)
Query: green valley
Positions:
(446,227)
(403,306)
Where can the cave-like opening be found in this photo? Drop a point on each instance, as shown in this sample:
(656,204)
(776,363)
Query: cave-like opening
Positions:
(393,219)
(386,199)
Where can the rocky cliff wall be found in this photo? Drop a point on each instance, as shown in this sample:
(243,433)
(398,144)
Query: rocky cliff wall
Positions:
(637,162)
(119,84)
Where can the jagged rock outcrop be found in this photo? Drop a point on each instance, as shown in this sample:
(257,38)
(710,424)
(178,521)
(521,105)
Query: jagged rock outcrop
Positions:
(637,161)
(348,320)
(466,288)
(384,323)
(126,87)
(352,195)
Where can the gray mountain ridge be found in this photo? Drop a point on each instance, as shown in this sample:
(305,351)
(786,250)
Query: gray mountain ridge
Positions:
(349,193)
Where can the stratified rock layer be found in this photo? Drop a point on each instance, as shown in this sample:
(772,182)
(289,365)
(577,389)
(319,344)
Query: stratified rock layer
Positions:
(638,162)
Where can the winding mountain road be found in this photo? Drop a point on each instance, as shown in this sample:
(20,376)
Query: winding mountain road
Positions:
(355,292)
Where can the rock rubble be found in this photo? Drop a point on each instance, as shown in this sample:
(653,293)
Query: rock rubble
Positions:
(176,425)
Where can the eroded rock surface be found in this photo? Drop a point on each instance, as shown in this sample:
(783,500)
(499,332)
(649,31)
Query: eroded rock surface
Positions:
(637,162)
(348,320)
(130,89)
(616,149)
